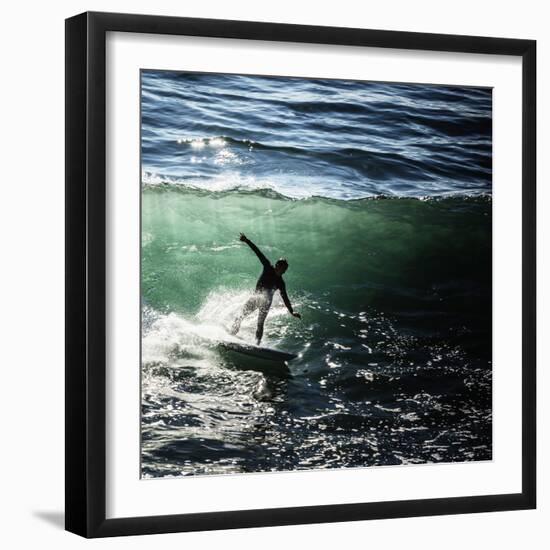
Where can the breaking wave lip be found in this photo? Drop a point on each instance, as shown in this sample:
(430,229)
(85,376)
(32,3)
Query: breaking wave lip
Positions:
(276,187)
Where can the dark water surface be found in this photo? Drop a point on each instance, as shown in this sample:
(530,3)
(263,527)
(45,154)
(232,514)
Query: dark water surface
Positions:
(379,196)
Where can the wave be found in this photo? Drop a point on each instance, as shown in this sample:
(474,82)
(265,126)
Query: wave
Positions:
(461,161)
(305,187)
(398,255)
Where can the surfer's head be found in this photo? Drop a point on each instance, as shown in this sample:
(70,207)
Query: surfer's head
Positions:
(281,266)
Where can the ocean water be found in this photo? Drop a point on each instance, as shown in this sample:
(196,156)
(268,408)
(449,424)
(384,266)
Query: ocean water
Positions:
(379,196)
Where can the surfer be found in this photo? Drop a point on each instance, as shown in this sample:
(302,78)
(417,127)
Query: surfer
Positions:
(270,280)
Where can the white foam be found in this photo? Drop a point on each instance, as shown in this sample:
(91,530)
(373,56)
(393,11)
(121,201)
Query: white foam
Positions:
(173,333)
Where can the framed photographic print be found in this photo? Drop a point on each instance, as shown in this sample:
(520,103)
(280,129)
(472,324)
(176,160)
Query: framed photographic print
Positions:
(300,274)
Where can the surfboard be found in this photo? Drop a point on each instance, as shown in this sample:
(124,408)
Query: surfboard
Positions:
(258,352)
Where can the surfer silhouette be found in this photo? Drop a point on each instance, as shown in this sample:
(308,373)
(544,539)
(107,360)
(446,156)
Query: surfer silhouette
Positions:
(269,282)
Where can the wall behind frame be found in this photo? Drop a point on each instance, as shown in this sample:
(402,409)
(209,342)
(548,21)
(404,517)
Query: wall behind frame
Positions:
(32,243)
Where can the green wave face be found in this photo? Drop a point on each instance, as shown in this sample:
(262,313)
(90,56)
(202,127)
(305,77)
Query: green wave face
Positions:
(393,253)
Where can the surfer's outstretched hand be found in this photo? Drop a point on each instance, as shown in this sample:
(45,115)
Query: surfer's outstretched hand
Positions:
(297,315)
(242,237)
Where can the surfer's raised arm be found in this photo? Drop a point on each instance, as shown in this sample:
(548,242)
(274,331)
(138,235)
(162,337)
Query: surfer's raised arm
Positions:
(256,250)
(286,300)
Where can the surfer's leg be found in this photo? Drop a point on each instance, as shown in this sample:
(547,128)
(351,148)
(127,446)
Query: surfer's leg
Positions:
(250,305)
(260,328)
(262,314)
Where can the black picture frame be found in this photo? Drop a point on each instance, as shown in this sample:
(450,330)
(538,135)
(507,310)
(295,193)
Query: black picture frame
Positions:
(86,268)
